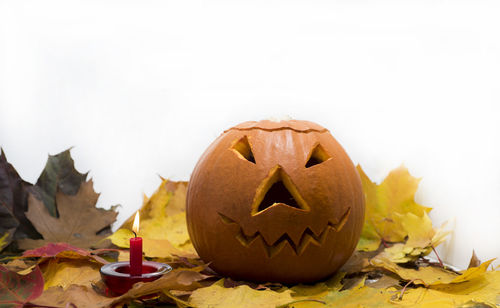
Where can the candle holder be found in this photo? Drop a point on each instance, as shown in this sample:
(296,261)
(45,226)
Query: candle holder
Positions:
(117,276)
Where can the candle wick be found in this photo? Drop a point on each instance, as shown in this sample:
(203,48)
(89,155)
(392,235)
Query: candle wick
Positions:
(135,234)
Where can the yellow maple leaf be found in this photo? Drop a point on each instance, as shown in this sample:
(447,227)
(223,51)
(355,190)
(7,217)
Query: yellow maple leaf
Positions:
(168,193)
(154,248)
(358,296)
(386,207)
(241,296)
(430,275)
(422,237)
(162,225)
(483,289)
(65,272)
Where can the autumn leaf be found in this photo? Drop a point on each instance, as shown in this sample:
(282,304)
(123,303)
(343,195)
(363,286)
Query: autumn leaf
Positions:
(163,223)
(83,297)
(19,266)
(430,275)
(59,174)
(319,289)
(474,260)
(169,193)
(6,238)
(386,205)
(73,296)
(65,272)
(63,250)
(79,221)
(178,279)
(358,296)
(13,204)
(242,297)
(482,289)
(16,290)
(152,248)
(422,238)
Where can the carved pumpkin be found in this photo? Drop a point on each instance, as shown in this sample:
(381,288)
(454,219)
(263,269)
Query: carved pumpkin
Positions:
(275,201)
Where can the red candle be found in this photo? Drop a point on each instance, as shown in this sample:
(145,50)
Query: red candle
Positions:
(136,250)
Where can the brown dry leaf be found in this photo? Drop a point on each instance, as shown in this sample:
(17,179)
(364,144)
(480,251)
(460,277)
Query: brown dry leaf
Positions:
(359,261)
(178,279)
(85,297)
(66,272)
(18,265)
(474,260)
(78,223)
(66,251)
(79,296)
(386,207)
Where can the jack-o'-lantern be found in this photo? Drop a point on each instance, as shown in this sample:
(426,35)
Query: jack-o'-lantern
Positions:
(275,201)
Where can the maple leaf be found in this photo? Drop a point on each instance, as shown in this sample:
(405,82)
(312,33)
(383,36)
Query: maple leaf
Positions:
(480,287)
(163,223)
(357,296)
(474,260)
(83,296)
(79,222)
(386,207)
(242,296)
(16,290)
(59,174)
(168,199)
(73,296)
(430,275)
(13,204)
(64,272)
(64,250)
(482,290)
(422,238)
(152,248)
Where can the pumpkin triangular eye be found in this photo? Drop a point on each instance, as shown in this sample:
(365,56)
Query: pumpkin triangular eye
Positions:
(317,156)
(242,148)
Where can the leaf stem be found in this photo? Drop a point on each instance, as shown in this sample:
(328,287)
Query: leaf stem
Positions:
(384,243)
(439,259)
(406,285)
(300,301)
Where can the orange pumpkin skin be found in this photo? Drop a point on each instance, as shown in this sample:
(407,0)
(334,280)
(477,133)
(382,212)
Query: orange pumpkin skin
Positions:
(291,212)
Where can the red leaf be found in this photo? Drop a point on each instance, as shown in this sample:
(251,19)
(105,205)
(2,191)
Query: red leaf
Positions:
(62,250)
(16,290)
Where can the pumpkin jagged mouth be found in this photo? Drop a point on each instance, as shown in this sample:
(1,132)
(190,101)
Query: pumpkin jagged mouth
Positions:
(307,238)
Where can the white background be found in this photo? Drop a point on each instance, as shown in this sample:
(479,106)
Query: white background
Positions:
(142,88)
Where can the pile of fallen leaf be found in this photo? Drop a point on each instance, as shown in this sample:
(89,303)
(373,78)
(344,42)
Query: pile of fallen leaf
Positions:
(53,240)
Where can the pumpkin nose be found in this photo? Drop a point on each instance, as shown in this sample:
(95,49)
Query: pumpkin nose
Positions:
(277,189)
